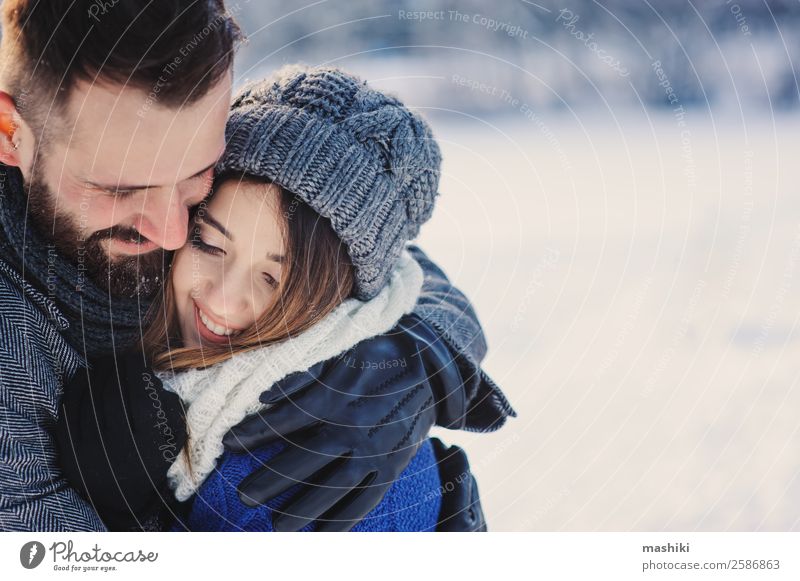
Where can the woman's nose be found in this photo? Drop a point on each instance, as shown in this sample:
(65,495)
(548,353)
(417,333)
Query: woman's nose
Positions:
(229,299)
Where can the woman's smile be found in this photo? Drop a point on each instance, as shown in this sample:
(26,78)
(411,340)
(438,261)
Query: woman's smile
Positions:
(210,330)
(227,275)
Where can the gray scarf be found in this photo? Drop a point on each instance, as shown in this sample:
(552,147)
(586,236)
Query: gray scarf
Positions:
(99,324)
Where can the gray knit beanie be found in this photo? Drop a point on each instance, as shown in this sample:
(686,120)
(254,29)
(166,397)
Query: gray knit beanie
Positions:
(356,156)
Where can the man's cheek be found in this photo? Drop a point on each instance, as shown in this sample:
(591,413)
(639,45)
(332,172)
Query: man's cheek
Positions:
(79,206)
(89,210)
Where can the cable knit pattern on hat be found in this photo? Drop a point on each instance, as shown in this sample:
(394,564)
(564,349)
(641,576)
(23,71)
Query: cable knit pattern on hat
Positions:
(220,396)
(355,155)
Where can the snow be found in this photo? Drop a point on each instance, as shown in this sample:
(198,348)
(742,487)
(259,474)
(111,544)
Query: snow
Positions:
(638,288)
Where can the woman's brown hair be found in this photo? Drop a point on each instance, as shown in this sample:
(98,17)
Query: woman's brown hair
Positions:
(317,276)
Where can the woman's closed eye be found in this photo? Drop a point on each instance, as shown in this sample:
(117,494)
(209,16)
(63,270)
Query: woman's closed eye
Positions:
(197,242)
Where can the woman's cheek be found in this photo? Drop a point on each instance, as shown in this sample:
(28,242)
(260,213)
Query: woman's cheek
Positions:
(267,300)
(203,267)
(181,272)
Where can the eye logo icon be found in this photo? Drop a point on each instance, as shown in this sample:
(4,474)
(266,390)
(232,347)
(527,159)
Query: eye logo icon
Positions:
(31,554)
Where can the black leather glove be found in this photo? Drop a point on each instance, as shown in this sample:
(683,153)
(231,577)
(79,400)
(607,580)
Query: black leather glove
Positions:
(117,433)
(353,424)
(461,504)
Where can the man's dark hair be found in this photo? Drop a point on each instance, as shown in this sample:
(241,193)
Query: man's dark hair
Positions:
(179,48)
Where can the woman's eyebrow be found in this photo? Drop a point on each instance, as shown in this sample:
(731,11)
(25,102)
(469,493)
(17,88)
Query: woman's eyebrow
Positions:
(209,219)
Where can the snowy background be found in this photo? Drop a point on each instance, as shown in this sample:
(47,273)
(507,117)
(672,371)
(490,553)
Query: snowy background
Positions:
(620,202)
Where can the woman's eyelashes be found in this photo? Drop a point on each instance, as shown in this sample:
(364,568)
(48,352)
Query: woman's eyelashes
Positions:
(197,242)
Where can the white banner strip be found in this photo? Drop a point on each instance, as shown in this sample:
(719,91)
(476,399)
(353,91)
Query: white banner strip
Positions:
(389,556)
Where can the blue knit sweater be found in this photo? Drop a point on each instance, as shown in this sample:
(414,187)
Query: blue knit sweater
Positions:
(411,504)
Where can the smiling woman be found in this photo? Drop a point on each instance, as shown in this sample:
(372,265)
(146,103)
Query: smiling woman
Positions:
(251,243)
(232,279)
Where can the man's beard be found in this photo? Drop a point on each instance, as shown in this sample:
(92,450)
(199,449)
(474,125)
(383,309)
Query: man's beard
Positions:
(124,277)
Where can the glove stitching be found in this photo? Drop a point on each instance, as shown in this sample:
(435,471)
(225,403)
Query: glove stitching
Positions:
(407,436)
(362,399)
(395,410)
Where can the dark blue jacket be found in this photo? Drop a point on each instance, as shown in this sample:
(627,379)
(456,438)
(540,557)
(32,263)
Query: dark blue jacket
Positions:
(412,503)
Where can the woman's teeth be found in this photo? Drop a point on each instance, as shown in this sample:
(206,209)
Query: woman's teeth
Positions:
(213,327)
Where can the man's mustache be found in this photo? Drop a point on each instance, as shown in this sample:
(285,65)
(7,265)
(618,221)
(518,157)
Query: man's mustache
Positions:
(124,233)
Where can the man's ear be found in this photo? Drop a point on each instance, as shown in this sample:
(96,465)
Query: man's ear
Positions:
(14,134)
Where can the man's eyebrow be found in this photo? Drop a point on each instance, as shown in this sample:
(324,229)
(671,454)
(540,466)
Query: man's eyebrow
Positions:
(209,219)
(124,187)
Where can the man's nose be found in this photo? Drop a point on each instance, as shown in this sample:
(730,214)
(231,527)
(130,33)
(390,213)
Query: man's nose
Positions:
(164,219)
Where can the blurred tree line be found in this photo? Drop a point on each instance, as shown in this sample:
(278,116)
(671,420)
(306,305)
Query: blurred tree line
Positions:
(720,53)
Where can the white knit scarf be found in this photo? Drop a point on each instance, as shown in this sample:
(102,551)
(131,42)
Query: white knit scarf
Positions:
(220,396)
